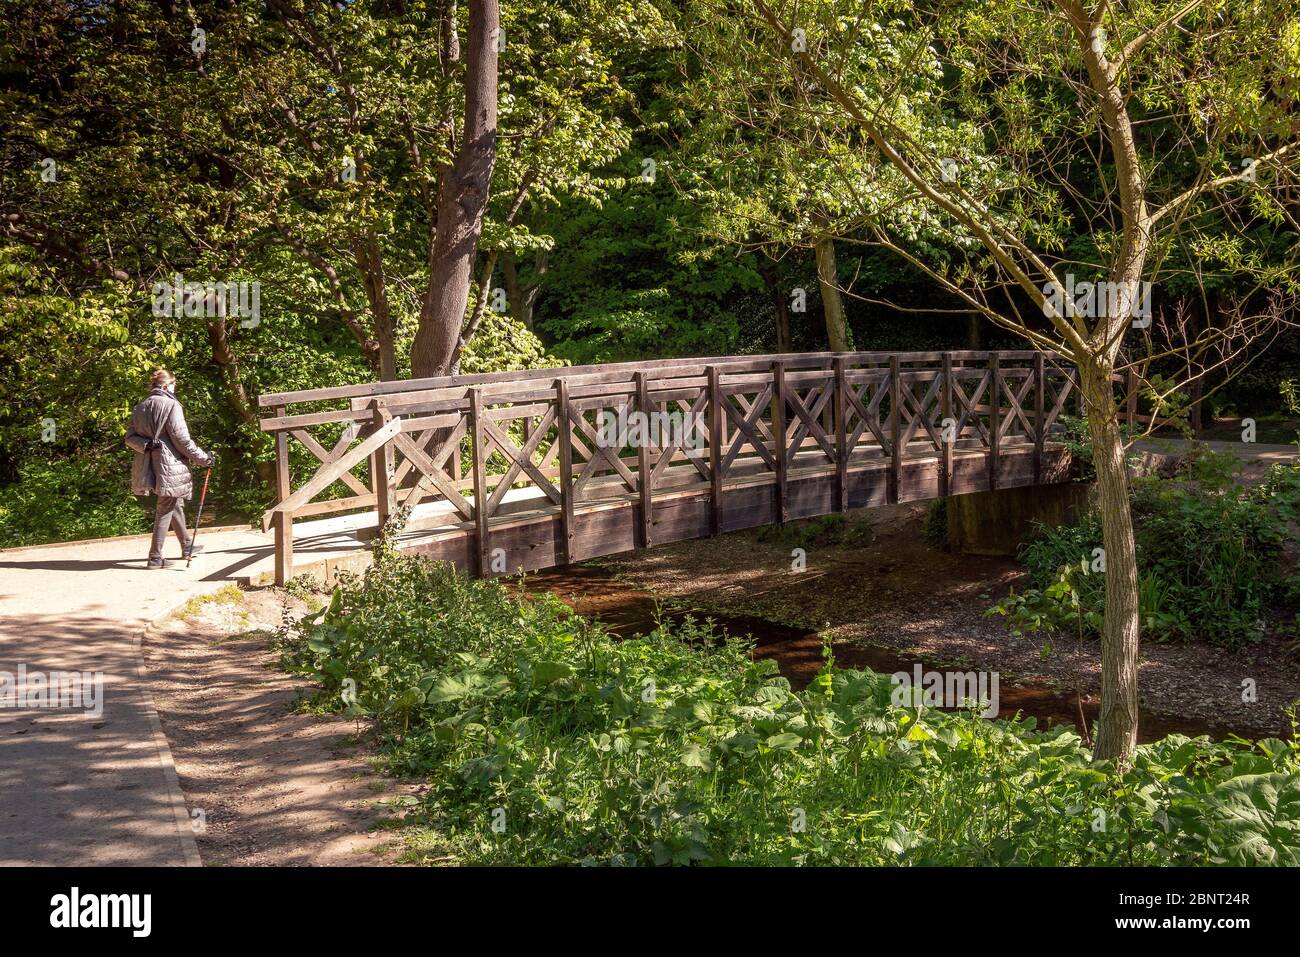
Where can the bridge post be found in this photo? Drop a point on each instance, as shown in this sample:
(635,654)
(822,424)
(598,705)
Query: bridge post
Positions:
(381,469)
(946,446)
(480,483)
(779,437)
(565,438)
(1040,417)
(645,472)
(715,449)
(995,418)
(283,520)
(841,438)
(895,431)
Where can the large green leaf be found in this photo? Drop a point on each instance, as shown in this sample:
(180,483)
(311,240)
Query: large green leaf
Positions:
(1257,819)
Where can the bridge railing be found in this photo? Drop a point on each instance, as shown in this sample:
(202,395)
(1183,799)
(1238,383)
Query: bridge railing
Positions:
(473,453)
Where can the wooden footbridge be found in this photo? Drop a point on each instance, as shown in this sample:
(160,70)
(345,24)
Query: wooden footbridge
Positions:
(513,471)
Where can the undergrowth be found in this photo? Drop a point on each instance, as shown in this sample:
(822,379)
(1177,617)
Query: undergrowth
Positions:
(543,740)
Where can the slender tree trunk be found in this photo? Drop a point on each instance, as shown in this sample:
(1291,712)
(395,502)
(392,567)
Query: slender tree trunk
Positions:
(476,317)
(837,327)
(370,264)
(232,387)
(1116,731)
(523,297)
(462,202)
(779,304)
(1210,304)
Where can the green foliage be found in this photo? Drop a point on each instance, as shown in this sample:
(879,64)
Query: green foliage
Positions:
(74,360)
(833,529)
(633,278)
(68,500)
(1073,434)
(679,748)
(935,529)
(1209,562)
(502,344)
(1280,490)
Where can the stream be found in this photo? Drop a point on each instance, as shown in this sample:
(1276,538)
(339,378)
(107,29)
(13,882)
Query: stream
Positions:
(628,611)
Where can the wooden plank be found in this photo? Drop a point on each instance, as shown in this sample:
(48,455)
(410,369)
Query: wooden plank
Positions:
(1040,418)
(779,437)
(645,478)
(328,458)
(381,468)
(327,474)
(565,440)
(480,484)
(841,439)
(609,372)
(716,438)
(330,506)
(283,520)
(287,423)
(573,374)
(995,419)
(945,452)
(895,429)
(431,473)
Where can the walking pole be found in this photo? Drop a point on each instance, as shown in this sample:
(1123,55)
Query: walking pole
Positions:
(202,498)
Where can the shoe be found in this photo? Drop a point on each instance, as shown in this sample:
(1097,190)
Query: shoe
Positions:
(162,563)
(194,550)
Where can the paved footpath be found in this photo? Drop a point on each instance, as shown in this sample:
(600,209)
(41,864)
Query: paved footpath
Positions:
(83,789)
(1256,458)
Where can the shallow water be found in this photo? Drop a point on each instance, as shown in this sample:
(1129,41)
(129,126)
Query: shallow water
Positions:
(629,611)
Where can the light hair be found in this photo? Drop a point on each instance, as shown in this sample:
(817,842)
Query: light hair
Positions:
(161,378)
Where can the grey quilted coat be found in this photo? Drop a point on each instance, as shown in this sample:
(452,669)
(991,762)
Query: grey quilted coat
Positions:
(164,470)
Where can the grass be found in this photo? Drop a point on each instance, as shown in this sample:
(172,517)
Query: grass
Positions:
(228,594)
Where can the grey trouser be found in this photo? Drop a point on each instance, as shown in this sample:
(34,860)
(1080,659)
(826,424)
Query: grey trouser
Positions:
(170,513)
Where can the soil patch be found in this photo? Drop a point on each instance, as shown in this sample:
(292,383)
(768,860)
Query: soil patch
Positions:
(265,785)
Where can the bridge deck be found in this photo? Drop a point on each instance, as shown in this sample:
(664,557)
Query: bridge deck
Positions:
(755,440)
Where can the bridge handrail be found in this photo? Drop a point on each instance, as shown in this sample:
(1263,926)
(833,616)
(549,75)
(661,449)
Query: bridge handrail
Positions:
(572,373)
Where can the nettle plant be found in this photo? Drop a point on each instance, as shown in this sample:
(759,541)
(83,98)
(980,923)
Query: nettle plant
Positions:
(1103,139)
(542,739)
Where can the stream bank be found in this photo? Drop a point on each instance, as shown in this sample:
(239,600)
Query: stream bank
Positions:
(888,601)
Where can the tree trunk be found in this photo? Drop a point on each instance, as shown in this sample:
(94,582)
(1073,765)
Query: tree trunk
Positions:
(1210,316)
(462,201)
(370,264)
(1116,732)
(523,297)
(232,387)
(837,328)
(779,304)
